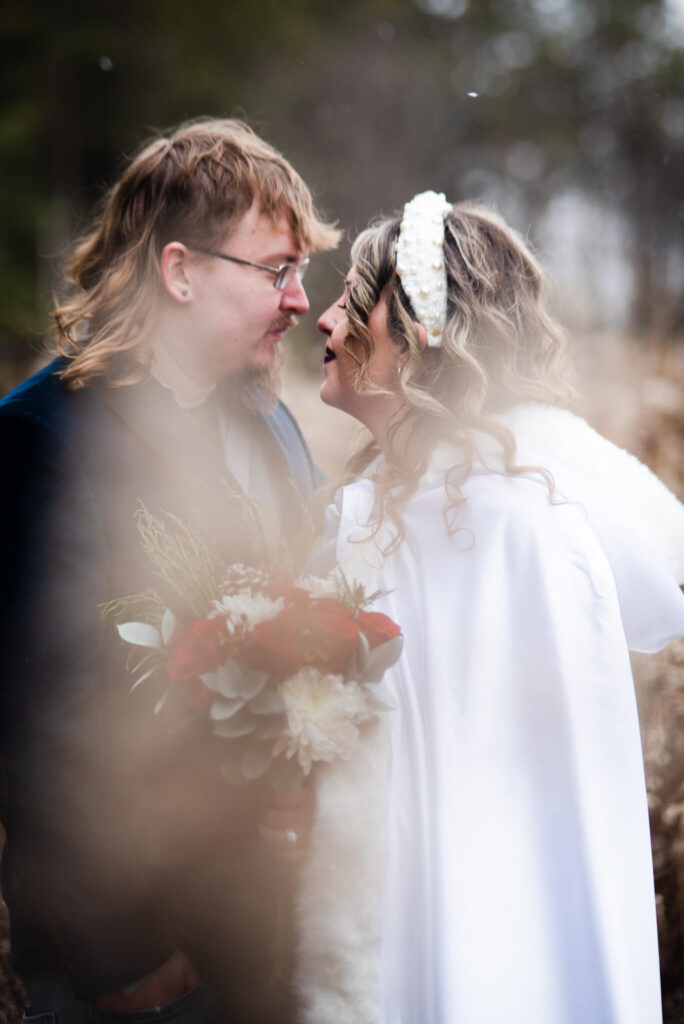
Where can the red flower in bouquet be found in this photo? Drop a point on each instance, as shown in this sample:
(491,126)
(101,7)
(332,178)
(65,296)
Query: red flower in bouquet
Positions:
(332,636)
(377,628)
(279,669)
(273,646)
(321,632)
(196,647)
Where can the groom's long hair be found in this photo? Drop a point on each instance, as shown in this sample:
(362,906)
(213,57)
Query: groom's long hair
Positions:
(498,347)
(191,186)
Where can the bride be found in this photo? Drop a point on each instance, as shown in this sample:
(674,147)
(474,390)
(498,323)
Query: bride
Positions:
(489,859)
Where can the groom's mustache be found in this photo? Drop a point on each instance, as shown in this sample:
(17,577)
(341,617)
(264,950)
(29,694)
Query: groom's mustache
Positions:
(284,323)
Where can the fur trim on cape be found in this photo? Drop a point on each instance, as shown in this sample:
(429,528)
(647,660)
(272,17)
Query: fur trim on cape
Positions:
(338,902)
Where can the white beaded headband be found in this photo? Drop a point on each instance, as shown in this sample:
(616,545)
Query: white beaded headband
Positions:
(420,261)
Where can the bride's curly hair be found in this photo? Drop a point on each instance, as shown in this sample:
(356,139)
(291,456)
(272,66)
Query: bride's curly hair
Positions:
(191,186)
(499,347)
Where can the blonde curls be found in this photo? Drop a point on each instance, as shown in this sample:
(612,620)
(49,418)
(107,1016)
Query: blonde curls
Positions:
(499,346)
(190,187)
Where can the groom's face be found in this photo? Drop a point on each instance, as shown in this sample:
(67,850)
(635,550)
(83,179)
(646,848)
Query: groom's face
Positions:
(236,317)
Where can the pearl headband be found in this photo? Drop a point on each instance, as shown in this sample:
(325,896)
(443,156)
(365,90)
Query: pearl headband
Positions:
(420,261)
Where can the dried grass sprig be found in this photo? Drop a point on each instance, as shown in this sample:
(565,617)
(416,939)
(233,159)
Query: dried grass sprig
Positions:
(145,607)
(279,556)
(182,559)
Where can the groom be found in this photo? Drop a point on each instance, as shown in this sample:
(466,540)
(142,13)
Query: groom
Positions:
(131,868)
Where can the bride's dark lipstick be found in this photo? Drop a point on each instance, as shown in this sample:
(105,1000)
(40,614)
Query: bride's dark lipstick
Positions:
(329,354)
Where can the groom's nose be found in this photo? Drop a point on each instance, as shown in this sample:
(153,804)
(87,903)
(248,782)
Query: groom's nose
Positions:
(294,298)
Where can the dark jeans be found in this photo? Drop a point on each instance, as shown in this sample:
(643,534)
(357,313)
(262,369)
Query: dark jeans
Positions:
(54,1003)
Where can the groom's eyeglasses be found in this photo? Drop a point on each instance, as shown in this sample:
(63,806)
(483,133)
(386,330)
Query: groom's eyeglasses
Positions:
(282,274)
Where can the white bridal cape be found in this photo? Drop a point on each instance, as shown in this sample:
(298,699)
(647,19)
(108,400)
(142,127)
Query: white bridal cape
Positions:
(500,871)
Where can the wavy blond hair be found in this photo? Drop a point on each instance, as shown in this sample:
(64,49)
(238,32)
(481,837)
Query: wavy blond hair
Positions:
(191,186)
(499,346)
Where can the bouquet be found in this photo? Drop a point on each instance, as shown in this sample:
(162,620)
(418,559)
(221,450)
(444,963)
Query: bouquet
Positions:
(289,671)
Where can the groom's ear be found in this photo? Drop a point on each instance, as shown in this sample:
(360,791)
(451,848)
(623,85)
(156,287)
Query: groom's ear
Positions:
(422,335)
(174,271)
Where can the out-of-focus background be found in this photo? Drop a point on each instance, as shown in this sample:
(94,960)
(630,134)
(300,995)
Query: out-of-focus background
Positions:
(568,115)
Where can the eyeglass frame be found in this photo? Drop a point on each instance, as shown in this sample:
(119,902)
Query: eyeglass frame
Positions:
(281,272)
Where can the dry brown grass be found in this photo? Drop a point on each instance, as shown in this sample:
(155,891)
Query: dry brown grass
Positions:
(636,397)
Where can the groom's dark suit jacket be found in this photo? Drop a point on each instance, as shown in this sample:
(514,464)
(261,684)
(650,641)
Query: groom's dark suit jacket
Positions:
(84,759)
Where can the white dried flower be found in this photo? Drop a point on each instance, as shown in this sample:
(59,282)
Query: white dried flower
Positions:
(323,586)
(240,578)
(246,610)
(323,713)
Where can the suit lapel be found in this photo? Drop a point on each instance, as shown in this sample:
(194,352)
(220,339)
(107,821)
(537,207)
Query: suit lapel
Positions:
(172,434)
(149,411)
(286,435)
(185,471)
(178,451)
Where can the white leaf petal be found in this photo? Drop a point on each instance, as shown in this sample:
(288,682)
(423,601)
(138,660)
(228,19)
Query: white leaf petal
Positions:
(357,663)
(281,746)
(225,707)
(252,683)
(145,658)
(168,625)
(381,659)
(233,728)
(143,677)
(226,680)
(379,698)
(140,633)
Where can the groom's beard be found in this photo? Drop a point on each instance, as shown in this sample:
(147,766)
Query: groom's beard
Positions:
(259,389)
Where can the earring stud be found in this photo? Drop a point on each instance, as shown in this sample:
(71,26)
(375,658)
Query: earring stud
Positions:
(184,292)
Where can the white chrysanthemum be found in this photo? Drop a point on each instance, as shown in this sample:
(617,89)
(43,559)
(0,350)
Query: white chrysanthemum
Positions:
(247,609)
(322,586)
(323,713)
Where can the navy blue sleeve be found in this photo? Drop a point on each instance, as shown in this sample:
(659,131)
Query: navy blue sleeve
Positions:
(67,875)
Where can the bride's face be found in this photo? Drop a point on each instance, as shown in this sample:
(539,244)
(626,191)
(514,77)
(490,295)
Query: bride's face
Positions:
(340,367)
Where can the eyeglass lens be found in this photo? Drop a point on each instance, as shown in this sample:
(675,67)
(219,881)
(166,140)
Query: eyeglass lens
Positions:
(285,273)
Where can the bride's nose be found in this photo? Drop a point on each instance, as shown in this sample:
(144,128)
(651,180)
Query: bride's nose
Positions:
(327,321)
